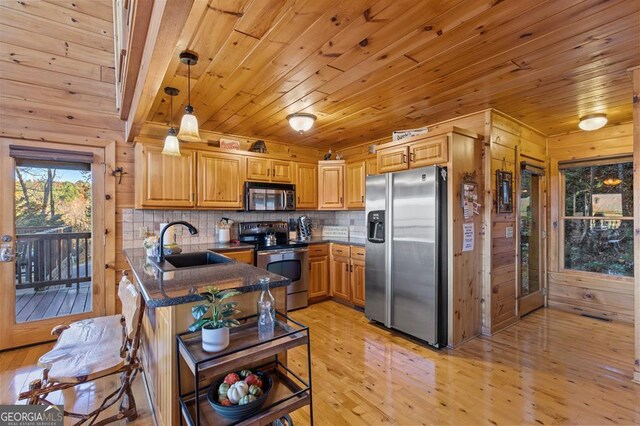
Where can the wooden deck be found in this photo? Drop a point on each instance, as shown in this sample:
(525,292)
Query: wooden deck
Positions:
(54,301)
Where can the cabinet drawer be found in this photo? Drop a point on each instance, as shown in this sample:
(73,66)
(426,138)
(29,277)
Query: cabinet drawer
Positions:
(340,250)
(316,250)
(242,256)
(357,252)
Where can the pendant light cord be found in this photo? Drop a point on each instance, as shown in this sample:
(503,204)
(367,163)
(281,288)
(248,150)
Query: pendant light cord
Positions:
(189,83)
(171,111)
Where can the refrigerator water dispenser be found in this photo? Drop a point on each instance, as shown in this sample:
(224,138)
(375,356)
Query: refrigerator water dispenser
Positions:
(375,231)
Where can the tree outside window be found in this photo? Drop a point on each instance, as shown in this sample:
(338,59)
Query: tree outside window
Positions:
(598,218)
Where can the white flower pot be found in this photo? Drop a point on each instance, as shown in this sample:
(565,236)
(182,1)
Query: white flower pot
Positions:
(215,339)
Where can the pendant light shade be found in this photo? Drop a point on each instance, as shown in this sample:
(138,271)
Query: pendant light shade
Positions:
(189,124)
(301,122)
(171,143)
(592,121)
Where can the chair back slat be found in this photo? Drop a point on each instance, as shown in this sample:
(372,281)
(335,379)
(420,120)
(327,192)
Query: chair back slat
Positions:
(132,304)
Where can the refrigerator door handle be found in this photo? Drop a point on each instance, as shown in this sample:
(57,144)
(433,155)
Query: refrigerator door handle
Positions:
(388,250)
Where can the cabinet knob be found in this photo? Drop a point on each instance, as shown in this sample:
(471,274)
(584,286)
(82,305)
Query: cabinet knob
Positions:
(404,158)
(346,267)
(412,157)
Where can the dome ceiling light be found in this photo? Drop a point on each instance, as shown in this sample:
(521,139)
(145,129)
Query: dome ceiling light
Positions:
(301,122)
(189,124)
(171,143)
(592,122)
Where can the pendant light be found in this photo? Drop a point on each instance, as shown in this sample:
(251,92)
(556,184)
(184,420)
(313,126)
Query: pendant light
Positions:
(171,143)
(592,121)
(301,121)
(189,124)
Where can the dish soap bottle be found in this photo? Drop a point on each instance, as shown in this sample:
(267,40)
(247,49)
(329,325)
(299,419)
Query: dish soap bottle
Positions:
(266,311)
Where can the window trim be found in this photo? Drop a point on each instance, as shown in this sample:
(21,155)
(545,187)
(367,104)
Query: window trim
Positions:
(562,166)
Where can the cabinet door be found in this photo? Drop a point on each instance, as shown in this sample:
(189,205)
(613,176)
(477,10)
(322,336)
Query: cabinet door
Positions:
(281,171)
(163,180)
(354,193)
(340,278)
(371,166)
(307,186)
(331,187)
(393,159)
(220,179)
(428,152)
(258,169)
(357,282)
(318,277)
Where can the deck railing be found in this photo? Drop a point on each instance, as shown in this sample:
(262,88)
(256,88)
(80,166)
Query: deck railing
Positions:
(53,259)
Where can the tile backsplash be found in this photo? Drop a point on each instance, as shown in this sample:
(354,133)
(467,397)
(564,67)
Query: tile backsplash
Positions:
(204,221)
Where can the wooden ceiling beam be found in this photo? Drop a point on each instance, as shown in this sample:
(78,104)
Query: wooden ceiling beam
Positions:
(171,28)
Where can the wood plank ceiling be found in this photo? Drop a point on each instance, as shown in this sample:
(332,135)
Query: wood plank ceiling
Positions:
(367,67)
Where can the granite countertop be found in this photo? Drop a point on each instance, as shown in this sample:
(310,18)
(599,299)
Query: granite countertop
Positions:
(184,285)
(352,241)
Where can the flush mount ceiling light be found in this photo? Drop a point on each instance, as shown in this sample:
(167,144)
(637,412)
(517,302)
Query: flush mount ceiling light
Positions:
(301,122)
(171,143)
(189,124)
(592,121)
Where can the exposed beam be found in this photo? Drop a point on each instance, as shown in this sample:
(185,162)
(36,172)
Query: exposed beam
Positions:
(171,28)
(635,76)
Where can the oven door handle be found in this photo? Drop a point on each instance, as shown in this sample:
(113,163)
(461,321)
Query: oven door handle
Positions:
(285,251)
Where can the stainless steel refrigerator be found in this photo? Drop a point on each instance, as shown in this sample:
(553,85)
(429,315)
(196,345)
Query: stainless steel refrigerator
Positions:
(406,262)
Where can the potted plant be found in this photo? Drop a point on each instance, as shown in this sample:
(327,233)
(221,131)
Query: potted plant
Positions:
(150,242)
(215,327)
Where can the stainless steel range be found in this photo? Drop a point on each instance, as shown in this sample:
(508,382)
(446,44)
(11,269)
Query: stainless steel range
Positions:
(275,253)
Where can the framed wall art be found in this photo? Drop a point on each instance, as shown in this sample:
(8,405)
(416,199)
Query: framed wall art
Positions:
(504,185)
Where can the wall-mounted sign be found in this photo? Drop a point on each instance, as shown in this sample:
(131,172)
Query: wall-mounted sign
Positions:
(468,237)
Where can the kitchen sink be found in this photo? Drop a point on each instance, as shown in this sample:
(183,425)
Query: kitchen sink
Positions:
(191,260)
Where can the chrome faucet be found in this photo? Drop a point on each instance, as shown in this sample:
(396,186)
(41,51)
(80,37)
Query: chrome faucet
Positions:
(192,230)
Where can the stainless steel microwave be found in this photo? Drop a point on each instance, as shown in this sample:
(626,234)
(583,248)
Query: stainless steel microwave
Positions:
(263,196)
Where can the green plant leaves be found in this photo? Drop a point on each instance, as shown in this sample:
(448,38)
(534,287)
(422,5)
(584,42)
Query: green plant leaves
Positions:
(199,311)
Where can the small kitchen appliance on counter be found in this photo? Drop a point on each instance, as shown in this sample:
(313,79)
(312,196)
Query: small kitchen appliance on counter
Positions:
(275,253)
(304,228)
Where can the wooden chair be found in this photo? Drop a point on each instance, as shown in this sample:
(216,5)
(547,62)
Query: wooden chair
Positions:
(90,349)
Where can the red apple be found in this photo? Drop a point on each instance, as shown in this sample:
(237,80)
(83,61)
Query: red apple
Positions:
(253,379)
(231,378)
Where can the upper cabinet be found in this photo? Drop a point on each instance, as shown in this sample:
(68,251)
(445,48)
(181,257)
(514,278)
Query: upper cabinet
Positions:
(421,152)
(220,180)
(307,186)
(266,170)
(331,185)
(162,180)
(355,184)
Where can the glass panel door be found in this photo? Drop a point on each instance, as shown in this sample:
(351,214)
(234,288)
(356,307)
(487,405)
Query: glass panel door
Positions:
(530,294)
(53,221)
(50,215)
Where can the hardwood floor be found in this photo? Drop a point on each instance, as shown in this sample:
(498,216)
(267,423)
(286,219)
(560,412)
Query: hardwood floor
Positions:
(551,368)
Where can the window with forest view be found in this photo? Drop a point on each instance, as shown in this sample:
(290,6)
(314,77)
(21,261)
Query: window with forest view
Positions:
(598,218)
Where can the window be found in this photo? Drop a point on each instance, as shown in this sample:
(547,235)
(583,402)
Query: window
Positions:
(598,217)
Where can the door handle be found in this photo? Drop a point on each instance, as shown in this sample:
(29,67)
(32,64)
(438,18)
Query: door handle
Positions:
(268,172)
(346,267)
(412,157)
(351,268)
(404,158)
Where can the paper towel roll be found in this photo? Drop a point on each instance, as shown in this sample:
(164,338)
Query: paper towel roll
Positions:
(169,236)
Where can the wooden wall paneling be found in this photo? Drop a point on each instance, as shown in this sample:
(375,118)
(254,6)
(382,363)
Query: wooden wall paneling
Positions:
(576,291)
(635,76)
(465,272)
(487,222)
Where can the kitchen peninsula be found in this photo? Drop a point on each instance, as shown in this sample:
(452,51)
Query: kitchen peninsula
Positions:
(169,297)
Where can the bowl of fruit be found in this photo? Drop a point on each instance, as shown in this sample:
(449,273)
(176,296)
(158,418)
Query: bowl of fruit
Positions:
(239,395)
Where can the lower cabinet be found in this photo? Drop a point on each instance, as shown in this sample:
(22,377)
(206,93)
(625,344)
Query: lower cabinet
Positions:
(318,271)
(336,271)
(242,256)
(357,282)
(340,278)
